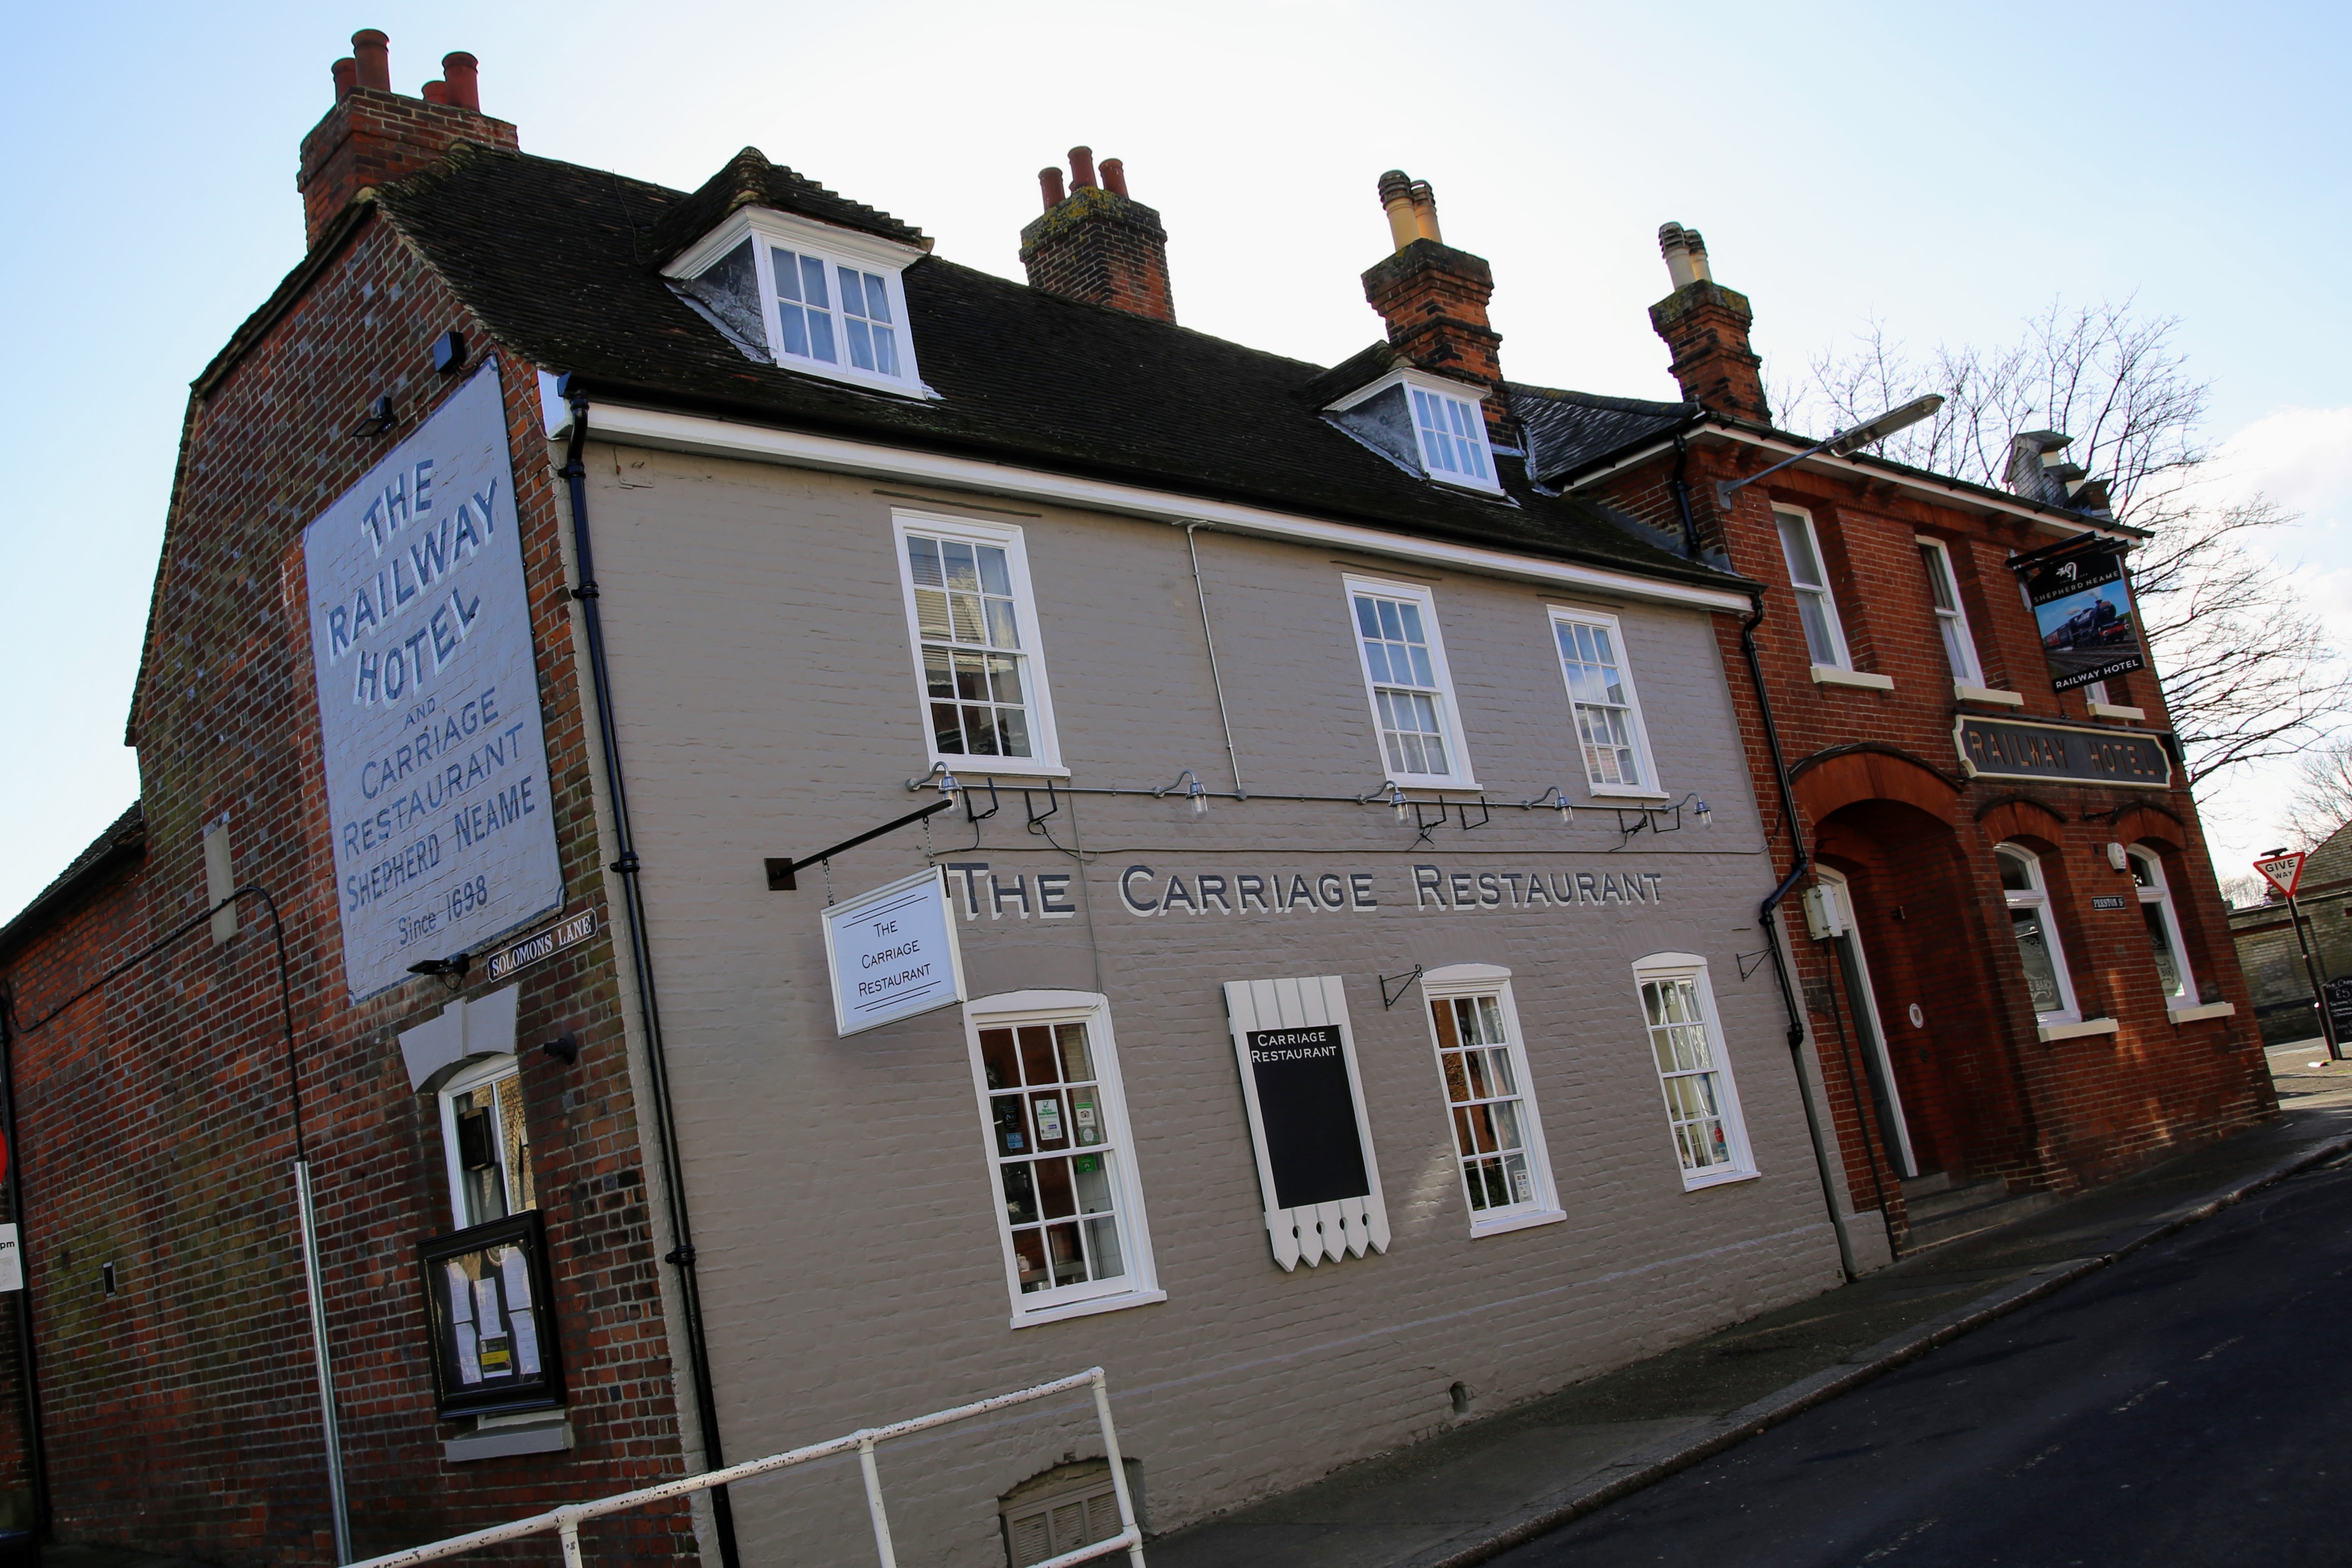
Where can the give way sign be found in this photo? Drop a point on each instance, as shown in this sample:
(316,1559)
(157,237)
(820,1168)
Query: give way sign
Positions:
(2283,872)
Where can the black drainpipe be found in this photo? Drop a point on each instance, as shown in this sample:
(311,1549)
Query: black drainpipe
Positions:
(641,963)
(1682,498)
(1768,913)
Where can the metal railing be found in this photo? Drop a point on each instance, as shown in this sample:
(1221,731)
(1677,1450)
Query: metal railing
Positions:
(565,1521)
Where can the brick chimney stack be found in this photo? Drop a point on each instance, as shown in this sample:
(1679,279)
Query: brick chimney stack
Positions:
(373,135)
(1706,325)
(1097,243)
(1433,296)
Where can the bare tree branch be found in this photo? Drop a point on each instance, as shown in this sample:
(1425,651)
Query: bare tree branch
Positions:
(2249,672)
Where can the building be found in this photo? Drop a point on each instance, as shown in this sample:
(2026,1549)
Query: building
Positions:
(2281,964)
(1349,868)
(2016,952)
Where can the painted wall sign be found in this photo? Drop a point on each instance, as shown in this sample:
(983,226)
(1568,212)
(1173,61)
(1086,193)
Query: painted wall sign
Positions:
(2082,605)
(980,890)
(542,944)
(1306,1103)
(428,698)
(2007,749)
(892,953)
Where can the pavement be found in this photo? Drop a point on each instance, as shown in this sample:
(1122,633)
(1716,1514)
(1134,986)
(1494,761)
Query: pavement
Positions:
(1473,1493)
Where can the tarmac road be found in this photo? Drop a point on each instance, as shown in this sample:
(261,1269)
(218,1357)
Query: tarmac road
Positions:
(2181,1408)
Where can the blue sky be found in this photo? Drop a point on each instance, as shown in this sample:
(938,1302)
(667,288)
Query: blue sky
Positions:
(1947,173)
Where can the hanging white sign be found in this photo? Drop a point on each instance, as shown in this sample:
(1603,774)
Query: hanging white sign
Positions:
(12,1261)
(893,954)
(428,699)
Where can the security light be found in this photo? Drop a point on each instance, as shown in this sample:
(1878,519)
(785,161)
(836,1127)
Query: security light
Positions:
(1844,444)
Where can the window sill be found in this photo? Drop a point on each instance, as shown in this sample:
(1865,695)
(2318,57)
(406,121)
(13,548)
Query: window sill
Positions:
(967,768)
(2203,1010)
(1833,675)
(1086,1309)
(2052,1031)
(2116,710)
(1625,792)
(1504,1223)
(1724,1178)
(1969,693)
(550,1437)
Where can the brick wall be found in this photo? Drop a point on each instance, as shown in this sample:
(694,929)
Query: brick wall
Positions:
(180,1410)
(1881,796)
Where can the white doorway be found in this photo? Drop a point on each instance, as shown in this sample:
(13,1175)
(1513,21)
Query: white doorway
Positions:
(1869,1024)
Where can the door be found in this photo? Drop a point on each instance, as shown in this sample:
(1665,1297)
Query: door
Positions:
(1861,1002)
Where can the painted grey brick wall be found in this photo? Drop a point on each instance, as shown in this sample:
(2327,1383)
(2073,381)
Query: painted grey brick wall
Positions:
(841,1188)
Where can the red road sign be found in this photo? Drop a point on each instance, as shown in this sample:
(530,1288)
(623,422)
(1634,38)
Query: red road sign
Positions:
(2283,872)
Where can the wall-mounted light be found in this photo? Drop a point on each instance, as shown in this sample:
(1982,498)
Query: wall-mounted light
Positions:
(378,419)
(448,354)
(1844,444)
(1391,790)
(1194,792)
(451,969)
(565,1048)
(2118,858)
(1557,799)
(949,782)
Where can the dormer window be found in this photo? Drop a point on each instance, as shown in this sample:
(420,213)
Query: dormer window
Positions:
(1452,439)
(806,295)
(1425,425)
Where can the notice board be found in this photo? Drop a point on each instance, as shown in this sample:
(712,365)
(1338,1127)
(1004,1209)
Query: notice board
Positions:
(490,1315)
(1315,1167)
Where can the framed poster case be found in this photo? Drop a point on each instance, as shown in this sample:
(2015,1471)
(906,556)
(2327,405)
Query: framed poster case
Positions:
(490,1314)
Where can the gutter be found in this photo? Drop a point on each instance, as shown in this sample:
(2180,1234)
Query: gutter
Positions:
(1945,490)
(643,426)
(640,966)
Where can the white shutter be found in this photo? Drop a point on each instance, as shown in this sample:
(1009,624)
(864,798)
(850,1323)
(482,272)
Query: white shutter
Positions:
(1325,1229)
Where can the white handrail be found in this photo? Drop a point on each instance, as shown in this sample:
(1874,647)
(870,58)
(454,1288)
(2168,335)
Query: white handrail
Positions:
(565,1521)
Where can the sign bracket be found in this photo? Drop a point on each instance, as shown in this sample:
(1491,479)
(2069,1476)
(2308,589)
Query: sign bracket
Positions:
(781,873)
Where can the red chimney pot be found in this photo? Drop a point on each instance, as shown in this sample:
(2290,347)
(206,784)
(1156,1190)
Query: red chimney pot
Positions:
(437,92)
(1114,176)
(347,77)
(1082,167)
(1049,180)
(372,53)
(462,72)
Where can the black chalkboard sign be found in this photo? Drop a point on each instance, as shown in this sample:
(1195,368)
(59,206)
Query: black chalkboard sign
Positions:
(2339,1006)
(1307,1108)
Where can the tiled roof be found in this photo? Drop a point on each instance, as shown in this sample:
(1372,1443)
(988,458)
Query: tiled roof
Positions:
(1567,431)
(126,839)
(562,263)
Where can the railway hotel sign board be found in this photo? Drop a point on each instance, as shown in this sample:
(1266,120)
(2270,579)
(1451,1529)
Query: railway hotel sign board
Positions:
(2007,748)
(428,699)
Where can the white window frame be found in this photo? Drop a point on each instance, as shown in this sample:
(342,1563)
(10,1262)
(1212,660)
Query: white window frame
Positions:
(1694,967)
(1451,983)
(836,248)
(1452,392)
(1046,743)
(2159,893)
(476,1074)
(1449,710)
(1967,670)
(1819,592)
(1140,1285)
(2037,896)
(1647,788)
